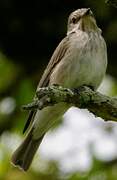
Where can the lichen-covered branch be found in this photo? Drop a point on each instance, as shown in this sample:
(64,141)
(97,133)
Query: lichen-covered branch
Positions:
(83,97)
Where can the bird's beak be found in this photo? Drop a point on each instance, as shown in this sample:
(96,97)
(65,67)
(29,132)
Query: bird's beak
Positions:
(87,12)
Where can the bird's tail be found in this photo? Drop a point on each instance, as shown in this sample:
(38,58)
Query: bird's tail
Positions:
(24,154)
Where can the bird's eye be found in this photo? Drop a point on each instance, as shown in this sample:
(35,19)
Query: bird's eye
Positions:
(75,20)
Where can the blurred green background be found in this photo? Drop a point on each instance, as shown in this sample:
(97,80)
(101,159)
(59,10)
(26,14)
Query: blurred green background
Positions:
(29,33)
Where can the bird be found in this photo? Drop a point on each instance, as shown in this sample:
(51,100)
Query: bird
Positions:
(79,59)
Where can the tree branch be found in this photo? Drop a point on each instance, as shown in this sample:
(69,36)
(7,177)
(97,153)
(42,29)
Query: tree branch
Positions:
(112,3)
(83,97)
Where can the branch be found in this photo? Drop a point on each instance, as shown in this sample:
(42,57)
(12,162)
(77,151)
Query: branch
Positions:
(83,97)
(112,3)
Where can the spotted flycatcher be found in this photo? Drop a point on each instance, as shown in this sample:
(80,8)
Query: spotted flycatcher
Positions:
(80,59)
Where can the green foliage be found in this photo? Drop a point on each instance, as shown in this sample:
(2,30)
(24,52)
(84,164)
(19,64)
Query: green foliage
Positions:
(8,73)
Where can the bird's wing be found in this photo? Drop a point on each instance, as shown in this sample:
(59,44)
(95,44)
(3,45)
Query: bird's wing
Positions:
(56,57)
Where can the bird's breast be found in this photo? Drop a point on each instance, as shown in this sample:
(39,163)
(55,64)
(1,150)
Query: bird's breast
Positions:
(84,64)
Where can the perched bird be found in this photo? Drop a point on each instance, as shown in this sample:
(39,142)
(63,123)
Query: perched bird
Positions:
(80,59)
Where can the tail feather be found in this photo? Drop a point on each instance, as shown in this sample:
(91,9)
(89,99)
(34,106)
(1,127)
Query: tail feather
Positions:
(24,154)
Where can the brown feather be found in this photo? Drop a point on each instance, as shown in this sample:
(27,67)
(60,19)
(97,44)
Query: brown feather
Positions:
(56,57)
(24,154)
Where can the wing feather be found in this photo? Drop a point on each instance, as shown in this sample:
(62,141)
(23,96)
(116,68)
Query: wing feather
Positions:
(56,57)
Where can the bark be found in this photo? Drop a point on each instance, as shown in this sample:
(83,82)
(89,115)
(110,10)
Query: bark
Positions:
(83,97)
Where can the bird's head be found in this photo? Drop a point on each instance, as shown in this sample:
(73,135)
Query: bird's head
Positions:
(82,19)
